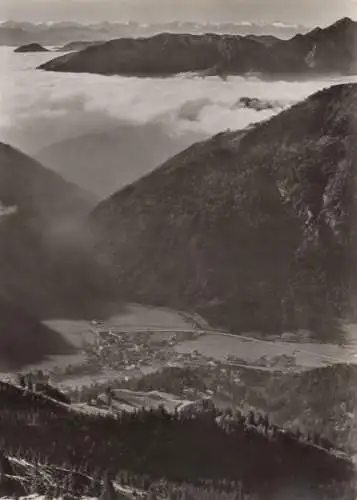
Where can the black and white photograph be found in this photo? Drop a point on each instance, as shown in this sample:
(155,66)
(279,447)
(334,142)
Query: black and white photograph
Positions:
(178,249)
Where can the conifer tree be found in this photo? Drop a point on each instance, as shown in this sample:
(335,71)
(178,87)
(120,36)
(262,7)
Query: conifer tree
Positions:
(95,487)
(71,483)
(49,491)
(35,481)
(108,491)
(2,473)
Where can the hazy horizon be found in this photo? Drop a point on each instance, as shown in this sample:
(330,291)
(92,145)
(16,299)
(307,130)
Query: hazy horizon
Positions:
(305,12)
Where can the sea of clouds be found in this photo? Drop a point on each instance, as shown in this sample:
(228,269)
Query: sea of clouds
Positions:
(39,108)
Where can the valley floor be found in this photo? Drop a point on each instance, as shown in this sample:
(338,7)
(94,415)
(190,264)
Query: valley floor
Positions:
(156,337)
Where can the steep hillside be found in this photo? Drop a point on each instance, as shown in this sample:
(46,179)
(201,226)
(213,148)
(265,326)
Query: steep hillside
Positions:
(41,262)
(323,398)
(252,230)
(320,52)
(24,340)
(35,190)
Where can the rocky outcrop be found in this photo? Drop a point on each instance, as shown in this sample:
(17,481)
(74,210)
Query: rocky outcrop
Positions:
(258,104)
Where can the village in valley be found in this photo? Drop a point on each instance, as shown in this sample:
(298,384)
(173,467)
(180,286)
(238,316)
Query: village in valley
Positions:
(121,367)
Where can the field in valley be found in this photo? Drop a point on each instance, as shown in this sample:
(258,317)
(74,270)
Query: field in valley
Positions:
(158,337)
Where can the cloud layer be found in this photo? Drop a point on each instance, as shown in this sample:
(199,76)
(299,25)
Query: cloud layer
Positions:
(38,108)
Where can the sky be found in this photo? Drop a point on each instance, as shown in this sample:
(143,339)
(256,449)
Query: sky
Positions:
(307,12)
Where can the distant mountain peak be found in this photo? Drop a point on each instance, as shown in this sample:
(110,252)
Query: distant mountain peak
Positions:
(341,26)
(169,53)
(344,21)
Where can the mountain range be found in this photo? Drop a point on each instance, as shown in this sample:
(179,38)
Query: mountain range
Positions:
(329,51)
(253,230)
(19,33)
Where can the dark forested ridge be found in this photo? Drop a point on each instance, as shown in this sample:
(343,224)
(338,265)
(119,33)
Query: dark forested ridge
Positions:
(321,400)
(253,230)
(24,339)
(207,454)
(16,33)
(319,52)
(42,263)
(37,191)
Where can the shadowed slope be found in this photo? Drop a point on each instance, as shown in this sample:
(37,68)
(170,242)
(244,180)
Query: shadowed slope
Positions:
(252,230)
(24,340)
(41,251)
